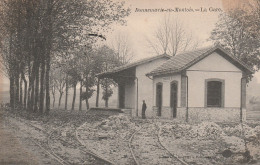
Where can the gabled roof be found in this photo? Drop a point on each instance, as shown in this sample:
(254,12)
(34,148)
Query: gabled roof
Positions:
(185,60)
(134,64)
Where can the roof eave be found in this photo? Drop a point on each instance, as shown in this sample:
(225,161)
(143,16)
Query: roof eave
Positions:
(245,68)
(131,66)
(164,72)
(248,69)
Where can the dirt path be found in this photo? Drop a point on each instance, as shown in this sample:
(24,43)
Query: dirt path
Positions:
(11,149)
(15,149)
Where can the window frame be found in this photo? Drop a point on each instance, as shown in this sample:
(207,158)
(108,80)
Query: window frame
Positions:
(222,92)
(156,86)
(159,113)
(177,85)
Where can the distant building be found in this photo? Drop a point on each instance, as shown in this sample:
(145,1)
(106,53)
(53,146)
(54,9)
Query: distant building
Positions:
(204,84)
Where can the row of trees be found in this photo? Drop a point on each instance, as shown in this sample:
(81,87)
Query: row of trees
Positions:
(44,38)
(81,70)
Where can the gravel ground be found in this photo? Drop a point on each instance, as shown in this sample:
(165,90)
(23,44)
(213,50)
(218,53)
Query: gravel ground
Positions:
(17,149)
(205,142)
(109,138)
(58,135)
(70,134)
(147,149)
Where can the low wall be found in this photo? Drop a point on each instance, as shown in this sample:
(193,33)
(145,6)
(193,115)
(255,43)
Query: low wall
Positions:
(204,114)
(216,114)
(155,111)
(166,112)
(148,113)
(128,112)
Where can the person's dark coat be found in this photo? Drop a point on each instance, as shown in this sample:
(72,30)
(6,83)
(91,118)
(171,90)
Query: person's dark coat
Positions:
(143,110)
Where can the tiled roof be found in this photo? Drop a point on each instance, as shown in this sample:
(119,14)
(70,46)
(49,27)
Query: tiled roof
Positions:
(134,64)
(185,60)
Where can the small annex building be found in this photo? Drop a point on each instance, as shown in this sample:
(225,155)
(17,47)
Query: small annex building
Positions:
(133,84)
(203,84)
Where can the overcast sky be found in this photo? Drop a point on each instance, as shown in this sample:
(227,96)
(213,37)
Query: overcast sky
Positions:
(141,25)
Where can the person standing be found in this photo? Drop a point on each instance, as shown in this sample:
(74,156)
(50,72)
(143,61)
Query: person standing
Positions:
(143,109)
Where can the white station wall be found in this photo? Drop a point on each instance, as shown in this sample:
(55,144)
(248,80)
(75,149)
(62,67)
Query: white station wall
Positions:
(130,92)
(166,91)
(214,66)
(145,85)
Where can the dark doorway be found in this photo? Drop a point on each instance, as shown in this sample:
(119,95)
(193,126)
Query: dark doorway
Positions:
(173,97)
(159,98)
(214,94)
(121,96)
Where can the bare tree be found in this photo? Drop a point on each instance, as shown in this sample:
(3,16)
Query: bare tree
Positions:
(60,82)
(171,37)
(122,46)
(52,87)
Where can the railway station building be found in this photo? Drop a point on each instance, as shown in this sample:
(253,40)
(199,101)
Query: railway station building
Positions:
(204,84)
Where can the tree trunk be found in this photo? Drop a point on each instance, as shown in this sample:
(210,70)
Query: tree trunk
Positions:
(12,100)
(106,103)
(74,97)
(47,83)
(53,91)
(48,41)
(17,88)
(36,97)
(31,88)
(25,91)
(28,96)
(53,101)
(32,93)
(53,97)
(97,98)
(42,86)
(29,85)
(106,99)
(87,103)
(21,92)
(66,94)
(80,96)
(61,94)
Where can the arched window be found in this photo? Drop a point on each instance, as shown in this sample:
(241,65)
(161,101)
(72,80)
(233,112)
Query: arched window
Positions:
(174,97)
(214,93)
(159,88)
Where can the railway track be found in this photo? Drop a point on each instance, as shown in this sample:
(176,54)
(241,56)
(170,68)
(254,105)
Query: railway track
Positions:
(174,156)
(54,137)
(151,150)
(48,149)
(86,154)
(90,152)
(149,134)
(130,146)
